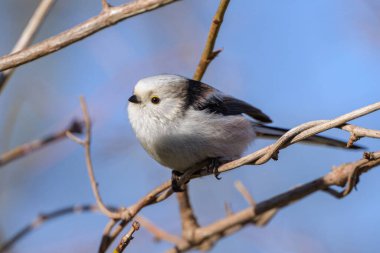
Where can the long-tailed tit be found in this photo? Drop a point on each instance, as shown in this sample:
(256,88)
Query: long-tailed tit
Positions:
(181,122)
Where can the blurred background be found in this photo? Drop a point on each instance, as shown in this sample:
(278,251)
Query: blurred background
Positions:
(296,60)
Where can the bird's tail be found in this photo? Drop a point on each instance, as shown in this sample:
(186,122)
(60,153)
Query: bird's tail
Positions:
(276,132)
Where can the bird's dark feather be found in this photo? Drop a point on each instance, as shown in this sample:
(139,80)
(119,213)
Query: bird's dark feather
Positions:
(204,97)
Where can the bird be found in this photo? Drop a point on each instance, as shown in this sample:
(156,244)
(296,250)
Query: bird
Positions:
(182,122)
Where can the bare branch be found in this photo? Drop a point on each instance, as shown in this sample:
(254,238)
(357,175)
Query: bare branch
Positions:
(86,143)
(359,132)
(263,219)
(245,193)
(27,148)
(74,138)
(228,208)
(106,18)
(208,52)
(188,220)
(126,239)
(157,195)
(105,5)
(105,241)
(340,176)
(297,134)
(338,121)
(27,36)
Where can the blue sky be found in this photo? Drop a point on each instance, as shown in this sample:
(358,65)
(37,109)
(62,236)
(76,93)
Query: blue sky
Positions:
(296,60)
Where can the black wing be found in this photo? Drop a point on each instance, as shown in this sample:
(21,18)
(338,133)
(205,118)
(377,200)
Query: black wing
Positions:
(204,97)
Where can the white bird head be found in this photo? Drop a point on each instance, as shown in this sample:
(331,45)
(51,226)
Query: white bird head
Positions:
(159,99)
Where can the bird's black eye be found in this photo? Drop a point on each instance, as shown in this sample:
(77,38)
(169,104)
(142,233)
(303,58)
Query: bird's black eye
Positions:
(155,100)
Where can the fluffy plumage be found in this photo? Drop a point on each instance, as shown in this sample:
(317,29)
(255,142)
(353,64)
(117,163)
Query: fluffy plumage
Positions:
(193,121)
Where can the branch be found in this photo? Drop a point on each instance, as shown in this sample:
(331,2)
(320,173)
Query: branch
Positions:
(105,5)
(27,148)
(245,193)
(86,143)
(126,239)
(43,218)
(27,36)
(109,16)
(188,219)
(359,132)
(157,195)
(208,52)
(297,134)
(339,176)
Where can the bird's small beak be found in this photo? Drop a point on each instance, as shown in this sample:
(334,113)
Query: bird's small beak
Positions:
(134,99)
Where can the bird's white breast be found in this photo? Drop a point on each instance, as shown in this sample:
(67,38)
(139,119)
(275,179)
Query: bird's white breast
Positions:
(179,143)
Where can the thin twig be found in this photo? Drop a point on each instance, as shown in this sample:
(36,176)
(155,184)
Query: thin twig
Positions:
(105,5)
(260,220)
(27,36)
(208,52)
(295,135)
(359,132)
(106,18)
(27,148)
(105,241)
(338,121)
(127,238)
(245,193)
(86,143)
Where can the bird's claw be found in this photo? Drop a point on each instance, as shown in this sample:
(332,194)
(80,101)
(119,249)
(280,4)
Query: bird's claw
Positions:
(216,174)
(176,177)
(213,167)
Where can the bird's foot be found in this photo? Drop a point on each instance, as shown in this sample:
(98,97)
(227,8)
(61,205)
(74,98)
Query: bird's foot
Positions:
(213,167)
(176,178)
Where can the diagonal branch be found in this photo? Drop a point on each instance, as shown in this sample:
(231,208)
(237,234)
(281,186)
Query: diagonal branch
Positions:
(105,5)
(359,132)
(127,238)
(27,36)
(208,52)
(157,195)
(339,176)
(297,134)
(109,16)
(27,148)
